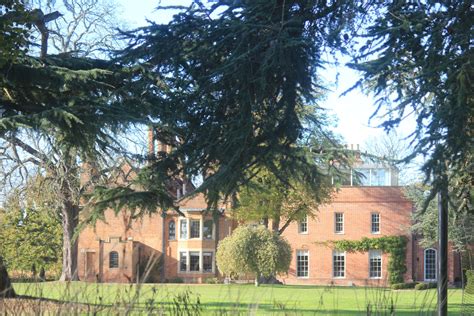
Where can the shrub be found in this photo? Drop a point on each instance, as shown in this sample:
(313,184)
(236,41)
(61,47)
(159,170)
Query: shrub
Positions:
(404,286)
(253,250)
(212,280)
(175,280)
(470,281)
(425,286)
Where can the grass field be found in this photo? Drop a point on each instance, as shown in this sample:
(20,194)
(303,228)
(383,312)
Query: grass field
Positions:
(230,299)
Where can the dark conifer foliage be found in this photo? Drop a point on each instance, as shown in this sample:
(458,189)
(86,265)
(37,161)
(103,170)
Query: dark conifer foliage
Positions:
(230,78)
(418,57)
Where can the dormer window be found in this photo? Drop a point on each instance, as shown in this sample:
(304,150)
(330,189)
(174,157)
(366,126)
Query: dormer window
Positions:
(371,177)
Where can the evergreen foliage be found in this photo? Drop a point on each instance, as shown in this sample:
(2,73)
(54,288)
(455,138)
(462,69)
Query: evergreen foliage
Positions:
(230,79)
(253,250)
(395,246)
(417,57)
(13,30)
(30,232)
(461,222)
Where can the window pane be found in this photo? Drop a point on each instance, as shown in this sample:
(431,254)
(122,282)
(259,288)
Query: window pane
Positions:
(375,223)
(430,265)
(183,229)
(362,177)
(171,230)
(207,229)
(339,222)
(378,176)
(303,225)
(113,259)
(302,263)
(375,264)
(195,228)
(194,261)
(339,262)
(183,261)
(207,261)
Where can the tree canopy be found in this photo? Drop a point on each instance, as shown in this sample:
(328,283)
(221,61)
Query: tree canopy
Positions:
(461,223)
(417,57)
(229,79)
(30,232)
(253,250)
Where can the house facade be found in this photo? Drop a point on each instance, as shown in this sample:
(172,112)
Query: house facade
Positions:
(166,245)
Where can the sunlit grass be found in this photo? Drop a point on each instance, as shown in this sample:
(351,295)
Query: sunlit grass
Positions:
(216,299)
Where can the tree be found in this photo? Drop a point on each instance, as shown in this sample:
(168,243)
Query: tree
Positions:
(86,28)
(13,31)
(266,197)
(461,223)
(392,149)
(417,57)
(57,113)
(30,233)
(230,78)
(253,250)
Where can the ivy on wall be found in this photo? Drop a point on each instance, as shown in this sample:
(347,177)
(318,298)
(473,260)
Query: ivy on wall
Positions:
(395,246)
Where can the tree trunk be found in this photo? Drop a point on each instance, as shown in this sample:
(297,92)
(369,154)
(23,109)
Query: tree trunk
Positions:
(275,225)
(6,289)
(70,221)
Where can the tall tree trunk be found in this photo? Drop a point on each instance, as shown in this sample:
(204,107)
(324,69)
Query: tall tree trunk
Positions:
(6,289)
(70,220)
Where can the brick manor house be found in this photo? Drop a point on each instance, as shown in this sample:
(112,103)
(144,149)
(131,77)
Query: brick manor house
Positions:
(118,250)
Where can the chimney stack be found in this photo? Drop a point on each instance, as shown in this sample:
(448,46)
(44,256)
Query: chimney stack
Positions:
(151,142)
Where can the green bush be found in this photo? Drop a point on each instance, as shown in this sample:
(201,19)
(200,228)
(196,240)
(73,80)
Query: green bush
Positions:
(212,280)
(403,286)
(175,280)
(253,250)
(470,281)
(425,286)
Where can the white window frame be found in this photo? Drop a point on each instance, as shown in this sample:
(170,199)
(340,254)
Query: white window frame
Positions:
(201,261)
(179,261)
(307,254)
(376,253)
(188,225)
(175,230)
(339,253)
(372,223)
(435,265)
(213,237)
(335,223)
(305,221)
(212,261)
(187,228)
(190,220)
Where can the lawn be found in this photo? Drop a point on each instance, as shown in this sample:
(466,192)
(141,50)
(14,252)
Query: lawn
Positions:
(217,299)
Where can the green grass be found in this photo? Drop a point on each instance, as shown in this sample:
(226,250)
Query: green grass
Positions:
(217,299)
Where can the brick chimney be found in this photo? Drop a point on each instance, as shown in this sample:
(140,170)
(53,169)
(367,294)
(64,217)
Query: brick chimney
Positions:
(151,142)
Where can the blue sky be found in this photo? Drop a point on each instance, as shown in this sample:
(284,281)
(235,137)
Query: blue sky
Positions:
(352,111)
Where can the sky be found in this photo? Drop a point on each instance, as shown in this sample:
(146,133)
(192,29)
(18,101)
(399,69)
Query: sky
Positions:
(352,110)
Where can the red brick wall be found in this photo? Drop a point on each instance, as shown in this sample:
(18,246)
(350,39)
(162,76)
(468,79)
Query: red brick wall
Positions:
(453,264)
(357,204)
(146,231)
